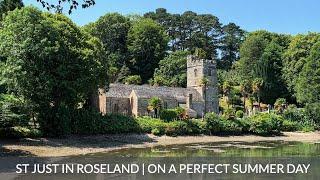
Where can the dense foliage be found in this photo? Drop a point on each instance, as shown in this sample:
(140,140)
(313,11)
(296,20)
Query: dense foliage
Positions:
(172,70)
(9,5)
(147,43)
(172,114)
(261,58)
(308,83)
(54,68)
(295,57)
(112,30)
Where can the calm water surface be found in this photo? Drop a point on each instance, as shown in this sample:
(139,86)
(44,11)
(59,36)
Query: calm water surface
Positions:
(224,149)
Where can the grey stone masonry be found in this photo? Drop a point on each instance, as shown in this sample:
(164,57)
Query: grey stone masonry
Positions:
(198,70)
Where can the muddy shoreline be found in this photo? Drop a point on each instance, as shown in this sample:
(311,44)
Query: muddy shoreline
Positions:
(80,145)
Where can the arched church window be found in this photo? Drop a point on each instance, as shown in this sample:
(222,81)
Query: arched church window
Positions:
(195,72)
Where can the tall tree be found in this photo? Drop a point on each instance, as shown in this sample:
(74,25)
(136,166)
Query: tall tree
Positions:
(172,70)
(50,63)
(112,29)
(250,52)
(231,40)
(170,22)
(308,82)
(245,89)
(261,58)
(269,68)
(147,44)
(295,57)
(206,33)
(190,30)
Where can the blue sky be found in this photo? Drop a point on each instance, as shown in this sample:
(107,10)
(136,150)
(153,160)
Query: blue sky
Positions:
(282,16)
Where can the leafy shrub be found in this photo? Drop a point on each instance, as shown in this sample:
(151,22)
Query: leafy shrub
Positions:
(13,112)
(213,123)
(168,114)
(175,128)
(157,131)
(19,132)
(196,126)
(313,112)
(296,115)
(307,128)
(266,124)
(92,122)
(245,123)
(171,114)
(147,124)
(229,113)
(56,121)
(216,125)
(87,122)
(303,119)
(239,114)
(116,123)
(231,127)
(290,126)
(135,79)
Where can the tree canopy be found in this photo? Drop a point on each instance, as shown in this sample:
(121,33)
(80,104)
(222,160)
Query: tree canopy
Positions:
(112,29)
(9,5)
(308,82)
(295,57)
(55,65)
(189,30)
(172,70)
(147,44)
(231,40)
(261,58)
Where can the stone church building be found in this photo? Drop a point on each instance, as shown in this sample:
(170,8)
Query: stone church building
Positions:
(197,99)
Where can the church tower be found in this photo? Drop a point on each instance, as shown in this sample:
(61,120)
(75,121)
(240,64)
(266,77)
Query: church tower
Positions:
(202,76)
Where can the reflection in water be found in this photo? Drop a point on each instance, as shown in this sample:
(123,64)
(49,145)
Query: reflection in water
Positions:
(201,153)
(224,149)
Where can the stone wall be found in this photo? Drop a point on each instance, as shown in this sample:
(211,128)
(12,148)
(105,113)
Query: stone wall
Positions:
(199,108)
(118,105)
(142,106)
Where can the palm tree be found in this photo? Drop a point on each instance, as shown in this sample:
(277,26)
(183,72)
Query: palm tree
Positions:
(226,87)
(155,104)
(245,88)
(257,87)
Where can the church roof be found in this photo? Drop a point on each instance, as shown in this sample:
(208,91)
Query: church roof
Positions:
(147,91)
